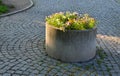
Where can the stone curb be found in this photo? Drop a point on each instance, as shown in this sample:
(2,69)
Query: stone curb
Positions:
(14,12)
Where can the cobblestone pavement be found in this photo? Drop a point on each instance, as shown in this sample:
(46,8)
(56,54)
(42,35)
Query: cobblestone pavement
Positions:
(22,40)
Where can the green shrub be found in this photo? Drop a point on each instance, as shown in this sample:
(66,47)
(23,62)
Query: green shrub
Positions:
(71,21)
(3,9)
(0,2)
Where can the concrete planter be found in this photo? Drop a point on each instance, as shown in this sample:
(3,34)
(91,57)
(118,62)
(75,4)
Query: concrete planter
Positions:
(72,45)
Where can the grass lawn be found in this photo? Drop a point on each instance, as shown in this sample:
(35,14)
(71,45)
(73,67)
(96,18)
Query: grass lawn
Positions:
(3,8)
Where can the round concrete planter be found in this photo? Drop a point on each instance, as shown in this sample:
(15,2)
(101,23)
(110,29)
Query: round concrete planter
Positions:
(72,45)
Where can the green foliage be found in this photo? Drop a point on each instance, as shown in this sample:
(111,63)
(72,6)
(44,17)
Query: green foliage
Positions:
(3,8)
(0,2)
(101,53)
(88,67)
(71,21)
(99,61)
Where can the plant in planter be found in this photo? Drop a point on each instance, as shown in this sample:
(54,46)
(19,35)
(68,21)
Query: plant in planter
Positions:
(71,37)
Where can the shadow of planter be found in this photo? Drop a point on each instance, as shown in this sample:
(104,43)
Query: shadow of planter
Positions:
(71,45)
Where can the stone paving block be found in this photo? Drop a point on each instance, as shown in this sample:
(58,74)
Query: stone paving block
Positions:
(40,68)
(59,74)
(32,74)
(100,73)
(20,65)
(93,74)
(11,64)
(23,68)
(23,75)
(12,60)
(29,70)
(15,68)
(28,60)
(18,72)
(1,55)
(26,72)
(44,72)
(24,62)
(35,71)
(41,75)
(10,71)
(7,74)
(16,75)
(65,75)
(2,65)
(106,73)
(2,71)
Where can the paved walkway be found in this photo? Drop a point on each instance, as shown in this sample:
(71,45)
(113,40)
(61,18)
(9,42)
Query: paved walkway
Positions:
(22,40)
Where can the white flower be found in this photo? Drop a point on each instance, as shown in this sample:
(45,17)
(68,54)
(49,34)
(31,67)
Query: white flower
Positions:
(75,13)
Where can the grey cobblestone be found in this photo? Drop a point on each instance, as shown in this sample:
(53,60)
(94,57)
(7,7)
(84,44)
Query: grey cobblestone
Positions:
(22,38)
(26,73)
(10,71)
(32,74)
(16,75)
(15,68)
(18,72)
(6,74)
(2,71)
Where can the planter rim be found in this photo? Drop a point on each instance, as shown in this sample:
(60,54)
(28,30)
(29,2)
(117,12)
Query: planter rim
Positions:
(71,30)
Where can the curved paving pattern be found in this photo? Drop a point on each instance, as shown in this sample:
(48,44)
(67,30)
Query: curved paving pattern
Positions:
(22,37)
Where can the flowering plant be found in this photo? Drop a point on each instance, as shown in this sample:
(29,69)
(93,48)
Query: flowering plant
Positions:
(71,21)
